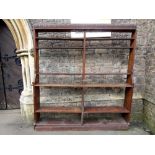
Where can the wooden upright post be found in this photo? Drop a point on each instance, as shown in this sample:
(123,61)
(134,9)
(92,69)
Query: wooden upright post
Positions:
(36,90)
(83,74)
(129,91)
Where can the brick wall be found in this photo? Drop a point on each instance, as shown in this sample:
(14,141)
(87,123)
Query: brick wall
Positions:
(140,54)
(144,70)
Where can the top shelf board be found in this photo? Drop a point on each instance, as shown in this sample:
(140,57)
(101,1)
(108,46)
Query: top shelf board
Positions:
(85,27)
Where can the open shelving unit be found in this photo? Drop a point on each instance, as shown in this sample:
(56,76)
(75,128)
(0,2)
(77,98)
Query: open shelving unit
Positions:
(84,124)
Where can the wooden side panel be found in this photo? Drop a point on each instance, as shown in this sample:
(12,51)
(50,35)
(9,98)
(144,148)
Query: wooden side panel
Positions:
(129,91)
(36,90)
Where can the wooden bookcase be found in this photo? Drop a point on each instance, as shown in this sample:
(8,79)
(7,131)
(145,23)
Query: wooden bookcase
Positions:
(124,110)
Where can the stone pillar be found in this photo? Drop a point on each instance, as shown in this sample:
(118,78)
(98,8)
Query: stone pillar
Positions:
(26,98)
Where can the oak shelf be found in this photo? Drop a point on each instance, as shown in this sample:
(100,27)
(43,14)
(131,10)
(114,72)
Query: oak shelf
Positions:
(112,73)
(56,48)
(83,85)
(59,110)
(84,123)
(107,109)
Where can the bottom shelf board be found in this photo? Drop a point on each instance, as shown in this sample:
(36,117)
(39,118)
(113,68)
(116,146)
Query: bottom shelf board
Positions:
(102,124)
(105,109)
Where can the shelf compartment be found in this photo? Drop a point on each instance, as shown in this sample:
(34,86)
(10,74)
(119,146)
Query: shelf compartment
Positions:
(110,109)
(58,110)
(83,85)
(117,124)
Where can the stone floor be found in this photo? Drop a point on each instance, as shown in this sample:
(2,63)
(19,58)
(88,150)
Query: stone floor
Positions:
(11,123)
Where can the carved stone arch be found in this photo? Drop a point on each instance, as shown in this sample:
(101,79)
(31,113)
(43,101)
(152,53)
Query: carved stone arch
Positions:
(23,39)
(22,35)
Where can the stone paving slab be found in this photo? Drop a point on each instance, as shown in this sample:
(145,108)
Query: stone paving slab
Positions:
(11,123)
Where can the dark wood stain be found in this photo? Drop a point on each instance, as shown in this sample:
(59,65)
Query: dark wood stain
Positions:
(117,124)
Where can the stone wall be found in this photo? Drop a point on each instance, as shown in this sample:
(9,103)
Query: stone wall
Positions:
(149,115)
(150,63)
(140,54)
(144,70)
(149,96)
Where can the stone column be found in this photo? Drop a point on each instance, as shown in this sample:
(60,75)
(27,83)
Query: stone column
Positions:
(26,99)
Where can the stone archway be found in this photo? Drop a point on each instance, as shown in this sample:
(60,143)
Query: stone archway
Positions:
(22,35)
